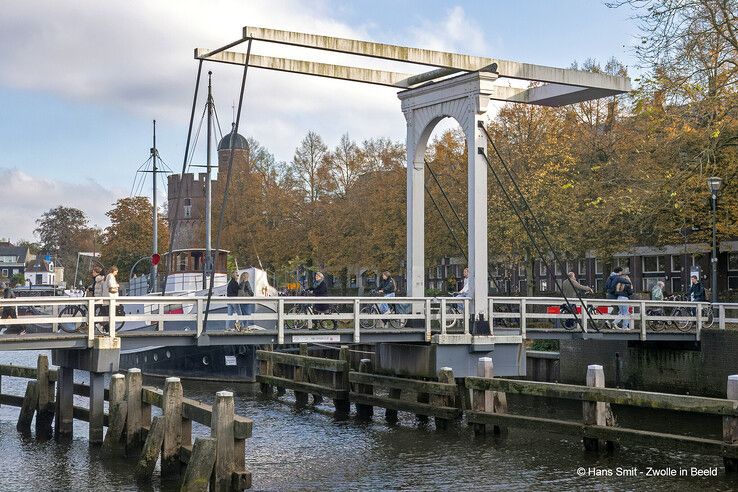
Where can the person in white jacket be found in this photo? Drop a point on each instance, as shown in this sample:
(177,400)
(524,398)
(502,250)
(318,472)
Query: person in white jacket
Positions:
(111,283)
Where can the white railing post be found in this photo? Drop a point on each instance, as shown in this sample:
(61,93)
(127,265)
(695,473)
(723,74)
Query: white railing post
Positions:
(583,316)
(428,320)
(280,321)
(523,321)
(160,322)
(111,317)
(201,316)
(357,320)
(442,314)
(466,316)
(55,313)
(91,320)
(490,315)
(721,316)
(699,320)
(644,320)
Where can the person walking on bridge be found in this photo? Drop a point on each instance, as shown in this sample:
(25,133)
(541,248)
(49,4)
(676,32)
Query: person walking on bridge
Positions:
(232,291)
(624,291)
(572,291)
(245,290)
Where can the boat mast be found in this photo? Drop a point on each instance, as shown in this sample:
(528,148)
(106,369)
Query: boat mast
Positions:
(155,242)
(208,267)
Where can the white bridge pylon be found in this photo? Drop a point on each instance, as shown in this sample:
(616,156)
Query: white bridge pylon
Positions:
(461,87)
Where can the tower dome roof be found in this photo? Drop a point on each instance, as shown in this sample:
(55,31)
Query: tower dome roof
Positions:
(239,144)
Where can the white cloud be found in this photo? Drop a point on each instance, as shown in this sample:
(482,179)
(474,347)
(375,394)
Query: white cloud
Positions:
(137,56)
(26,197)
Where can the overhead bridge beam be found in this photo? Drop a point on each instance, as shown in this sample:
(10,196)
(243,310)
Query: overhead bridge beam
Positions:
(442,59)
(545,95)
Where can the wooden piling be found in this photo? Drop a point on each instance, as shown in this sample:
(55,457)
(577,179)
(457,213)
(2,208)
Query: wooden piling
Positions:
(365,412)
(445,375)
(301,398)
(222,430)
(343,407)
(151,449)
(117,410)
(594,413)
(390,414)
(730,425)
(266,368)
(172,407)
(64,421)
(482,401)
(45,410)
(134,420)
(97,407)
(309,374)
(200,467)
(30,402)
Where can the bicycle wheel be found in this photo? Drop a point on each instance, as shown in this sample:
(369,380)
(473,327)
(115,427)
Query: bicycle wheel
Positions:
(73,311)
(296,324)
(451,322)
(683,324)
(368,324)
(708,317)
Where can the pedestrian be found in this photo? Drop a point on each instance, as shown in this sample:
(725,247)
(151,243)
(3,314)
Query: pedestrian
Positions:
(464,292)
(111,282)
(657,292)
(610,287)
(232,291)
(696,292)
(624,291)
(98,289)
(572,290)
(90,291)
(245,290)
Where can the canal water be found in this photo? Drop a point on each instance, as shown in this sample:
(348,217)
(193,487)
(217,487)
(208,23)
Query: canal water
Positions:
(310,450)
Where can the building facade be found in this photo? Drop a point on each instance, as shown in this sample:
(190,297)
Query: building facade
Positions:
(12,260)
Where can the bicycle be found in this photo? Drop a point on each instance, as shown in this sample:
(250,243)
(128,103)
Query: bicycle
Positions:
(685,312)
(309,310)
(452,308)
(80,311)
(373,309)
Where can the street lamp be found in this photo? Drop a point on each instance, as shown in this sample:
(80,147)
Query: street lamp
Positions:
(714,183)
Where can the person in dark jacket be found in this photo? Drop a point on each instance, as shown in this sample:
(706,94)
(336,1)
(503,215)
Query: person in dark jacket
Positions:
(624,291)
(320,289)
(232,291)
(696,292)
(245,290)
(387,288)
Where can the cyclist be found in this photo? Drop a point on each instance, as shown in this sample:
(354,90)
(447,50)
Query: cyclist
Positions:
(320,289)
(696,292)
(387,288)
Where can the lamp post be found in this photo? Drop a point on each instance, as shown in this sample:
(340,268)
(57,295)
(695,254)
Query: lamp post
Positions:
(714,183)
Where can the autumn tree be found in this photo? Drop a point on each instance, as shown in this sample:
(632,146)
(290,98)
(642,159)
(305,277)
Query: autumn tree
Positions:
(310,167)
(63,232)
(128,238)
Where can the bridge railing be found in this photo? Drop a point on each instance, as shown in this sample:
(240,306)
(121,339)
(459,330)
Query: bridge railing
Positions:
(273,314)
(357,315)
(643,316)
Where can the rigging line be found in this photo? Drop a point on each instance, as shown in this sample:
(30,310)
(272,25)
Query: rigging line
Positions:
(559,286)
(135,176)
(173,224)
(557,260)
(524,223)
(453,209)
(217,122)
(232,142)
(458,217)
(197,137)
(443,217)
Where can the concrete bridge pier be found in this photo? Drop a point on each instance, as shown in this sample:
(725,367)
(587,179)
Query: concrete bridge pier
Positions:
(103,357)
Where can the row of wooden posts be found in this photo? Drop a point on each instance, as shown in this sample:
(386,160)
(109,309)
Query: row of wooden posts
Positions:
(217,462)
(482,401)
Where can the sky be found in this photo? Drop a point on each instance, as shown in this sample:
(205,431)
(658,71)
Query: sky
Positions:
(82,81)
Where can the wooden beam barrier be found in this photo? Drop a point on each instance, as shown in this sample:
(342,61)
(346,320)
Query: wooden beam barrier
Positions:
(643,399)
(341,381)
(300,375)
(151,450)
(200,466)
(117,410)
(30,403)
(266,369)
(364,412)
(442,409)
